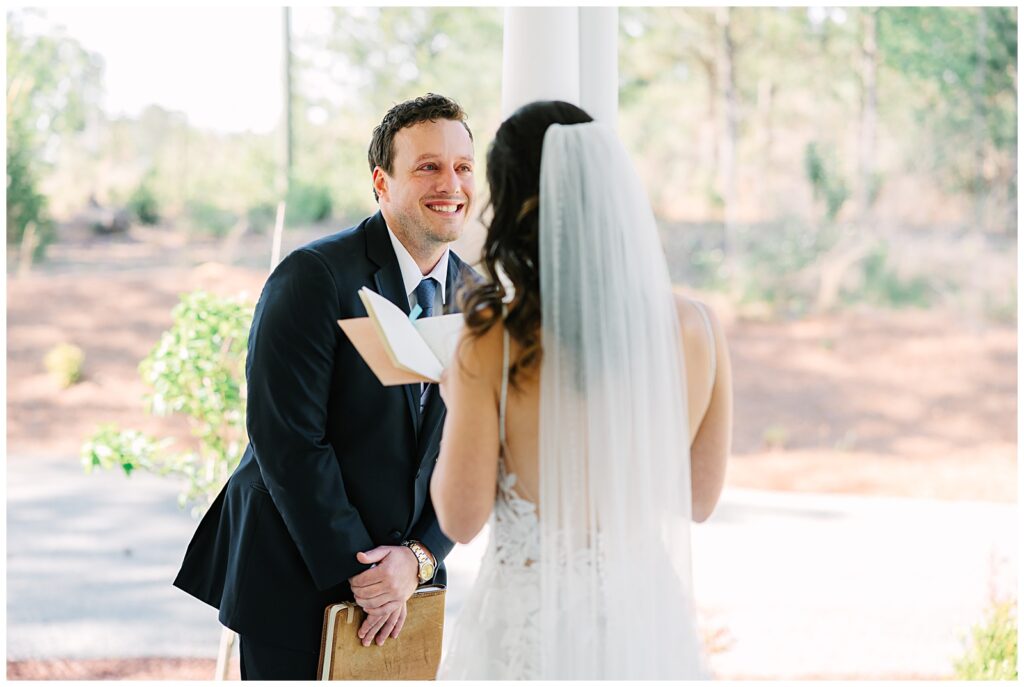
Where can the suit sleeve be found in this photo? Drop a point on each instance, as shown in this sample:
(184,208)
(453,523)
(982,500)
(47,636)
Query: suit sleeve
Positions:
(428,532)
(289,370)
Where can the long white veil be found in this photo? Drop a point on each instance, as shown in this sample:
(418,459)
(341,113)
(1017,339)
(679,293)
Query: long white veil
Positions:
(616,586)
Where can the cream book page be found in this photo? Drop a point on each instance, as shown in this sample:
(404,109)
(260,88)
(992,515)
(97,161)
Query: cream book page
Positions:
(404,343)
(442,335)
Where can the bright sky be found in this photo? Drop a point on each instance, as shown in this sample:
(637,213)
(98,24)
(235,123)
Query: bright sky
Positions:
(221,66)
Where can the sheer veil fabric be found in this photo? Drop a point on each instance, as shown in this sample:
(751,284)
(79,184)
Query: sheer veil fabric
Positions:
(593,581)
(614,473)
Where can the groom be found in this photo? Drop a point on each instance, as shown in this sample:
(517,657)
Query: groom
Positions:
(331,500)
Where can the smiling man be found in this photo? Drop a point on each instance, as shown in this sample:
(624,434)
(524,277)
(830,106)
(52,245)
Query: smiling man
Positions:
(331,500)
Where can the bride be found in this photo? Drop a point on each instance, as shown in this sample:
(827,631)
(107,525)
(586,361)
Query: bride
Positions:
(589,409)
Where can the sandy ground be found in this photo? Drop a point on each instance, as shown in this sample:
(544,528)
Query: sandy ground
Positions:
(897,403)
(118,669)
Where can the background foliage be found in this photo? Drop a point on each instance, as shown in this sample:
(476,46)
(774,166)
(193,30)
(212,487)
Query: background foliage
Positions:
(992,646)
(798,159)
(197,370)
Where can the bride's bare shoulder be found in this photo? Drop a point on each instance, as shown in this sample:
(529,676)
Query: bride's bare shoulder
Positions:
(694,330)
(481,352)
(691,322)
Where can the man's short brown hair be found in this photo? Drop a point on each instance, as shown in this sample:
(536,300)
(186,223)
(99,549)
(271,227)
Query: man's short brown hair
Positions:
(429,107)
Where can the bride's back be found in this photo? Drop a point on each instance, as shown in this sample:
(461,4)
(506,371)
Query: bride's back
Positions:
(522,422)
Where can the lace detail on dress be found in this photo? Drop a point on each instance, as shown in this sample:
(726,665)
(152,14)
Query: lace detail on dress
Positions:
(516,538)
(497,633)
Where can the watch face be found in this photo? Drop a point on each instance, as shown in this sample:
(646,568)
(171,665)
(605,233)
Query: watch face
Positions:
(426,571)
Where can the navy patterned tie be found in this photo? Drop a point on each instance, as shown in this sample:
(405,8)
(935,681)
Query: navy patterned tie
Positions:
(425,294)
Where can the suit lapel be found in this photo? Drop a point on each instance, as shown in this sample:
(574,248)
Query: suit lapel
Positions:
(388,280)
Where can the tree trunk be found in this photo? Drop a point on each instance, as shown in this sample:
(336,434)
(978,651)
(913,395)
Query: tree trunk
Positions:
(765,104)
(1010,207)
(183,168)
(227,646)
(727,141)
(868,113)
(706,135)
(706,54)
(287,142)
(978,118)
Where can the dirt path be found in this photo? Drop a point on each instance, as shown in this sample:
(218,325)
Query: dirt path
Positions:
(118,669)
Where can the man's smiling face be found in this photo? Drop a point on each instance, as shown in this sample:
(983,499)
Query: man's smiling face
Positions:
(427,197)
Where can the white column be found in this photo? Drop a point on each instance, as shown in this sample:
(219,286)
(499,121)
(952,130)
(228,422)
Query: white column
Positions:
(540,56)
(599,63)
(562,53)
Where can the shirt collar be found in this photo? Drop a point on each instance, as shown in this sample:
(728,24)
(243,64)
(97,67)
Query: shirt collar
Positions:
(411,275)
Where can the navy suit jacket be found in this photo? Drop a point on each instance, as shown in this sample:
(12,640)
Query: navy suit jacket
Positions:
(336,464)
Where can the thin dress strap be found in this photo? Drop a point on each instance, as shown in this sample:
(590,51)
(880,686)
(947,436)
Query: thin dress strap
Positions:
(711,338)
(503,401)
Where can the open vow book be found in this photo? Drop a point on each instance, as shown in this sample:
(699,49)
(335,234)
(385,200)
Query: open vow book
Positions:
(398,349)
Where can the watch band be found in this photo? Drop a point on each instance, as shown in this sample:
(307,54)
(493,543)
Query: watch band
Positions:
(426,567)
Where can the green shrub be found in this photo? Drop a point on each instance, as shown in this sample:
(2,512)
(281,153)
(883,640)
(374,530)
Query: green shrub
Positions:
(883,286)
(992,650)
(261,217)
(25,204)
(307,203)
(128,449)
(706,266)
(1001,307)
(209,218)
(143,205)
(773,265)
(775,437)
(196,370)
(822,170)
(64,363)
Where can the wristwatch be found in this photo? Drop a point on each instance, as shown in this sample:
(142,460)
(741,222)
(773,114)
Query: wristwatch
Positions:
(426,565)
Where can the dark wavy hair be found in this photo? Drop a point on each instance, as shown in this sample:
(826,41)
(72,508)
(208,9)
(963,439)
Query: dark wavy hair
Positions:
(513,175)
(429,107)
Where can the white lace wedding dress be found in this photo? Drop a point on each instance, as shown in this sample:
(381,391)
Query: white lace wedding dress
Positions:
(498,630)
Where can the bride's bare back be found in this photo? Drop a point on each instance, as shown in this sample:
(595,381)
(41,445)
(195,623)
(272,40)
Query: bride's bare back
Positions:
(471,390)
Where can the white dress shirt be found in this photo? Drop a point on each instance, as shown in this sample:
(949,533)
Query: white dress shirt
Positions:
(411,275)
(411,278)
